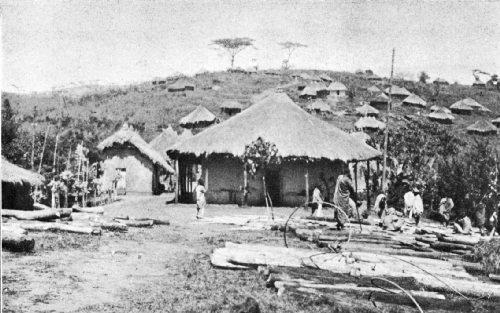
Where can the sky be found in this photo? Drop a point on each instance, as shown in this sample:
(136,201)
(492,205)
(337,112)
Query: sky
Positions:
(48,43)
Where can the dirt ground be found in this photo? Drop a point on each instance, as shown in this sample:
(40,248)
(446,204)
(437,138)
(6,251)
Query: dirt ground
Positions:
(159,269)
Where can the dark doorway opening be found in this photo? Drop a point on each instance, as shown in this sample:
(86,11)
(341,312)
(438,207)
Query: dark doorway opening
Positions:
(273,184)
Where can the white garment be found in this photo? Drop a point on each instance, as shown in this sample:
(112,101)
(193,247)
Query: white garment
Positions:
(317,199)
(409,199)
(200,193)
(418,206)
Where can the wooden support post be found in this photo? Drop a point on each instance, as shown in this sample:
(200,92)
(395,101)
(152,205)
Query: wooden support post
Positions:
(245,186)
(356,176)
(176,180)
(206,178)
(368,202)
(307,186)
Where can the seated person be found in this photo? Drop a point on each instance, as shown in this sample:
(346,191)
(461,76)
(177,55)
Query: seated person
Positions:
(463,226)
(445,206)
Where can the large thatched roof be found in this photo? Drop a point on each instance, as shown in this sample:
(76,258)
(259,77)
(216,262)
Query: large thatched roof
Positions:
(414,100)
(482,127)
(199,116)
(381,97)
(127,135)
(367,110)
(167,138)
(279,120)
(441,116)
(397,91)
(16,175)
(461,106)
(369,123)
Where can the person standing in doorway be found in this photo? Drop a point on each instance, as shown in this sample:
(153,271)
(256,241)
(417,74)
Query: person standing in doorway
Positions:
(201,202)
(317,202)
(418,206)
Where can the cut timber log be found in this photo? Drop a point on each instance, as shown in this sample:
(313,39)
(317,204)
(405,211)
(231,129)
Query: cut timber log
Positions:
(118,227)
(60,227)
(462,240)
(42,215)
(446,246)
(39,206)
(426,239)
(95,210)
(155,221)
(15,239)
(494,277)
(134,223)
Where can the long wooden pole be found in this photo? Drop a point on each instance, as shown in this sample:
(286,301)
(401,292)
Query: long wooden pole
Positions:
(43,149)
(307,186)
(356,175)
(55,155)
(176,180)
(245,186)
(386,134)
(33,149)
(368,202)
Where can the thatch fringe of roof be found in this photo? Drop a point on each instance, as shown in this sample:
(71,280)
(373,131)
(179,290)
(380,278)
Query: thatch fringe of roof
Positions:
(199,115)
(337,86)
(128,135)
(367,110)
(414,100)
(14,174)
(279,120)
(482,127)
(369,123)
(397,91)
(441,117)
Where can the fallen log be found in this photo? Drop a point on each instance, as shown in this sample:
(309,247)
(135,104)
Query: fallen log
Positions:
(118,227)
(133,223)
(494,277)
(446,246)
(155,221)
(39,206)
(95,210)
(15,239)
(426,239)
(463,240)
(60,227)
(42,215)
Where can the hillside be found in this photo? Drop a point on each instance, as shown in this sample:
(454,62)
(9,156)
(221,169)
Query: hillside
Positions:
(150,108)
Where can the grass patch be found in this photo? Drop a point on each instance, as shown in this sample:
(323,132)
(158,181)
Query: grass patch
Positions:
(488,254)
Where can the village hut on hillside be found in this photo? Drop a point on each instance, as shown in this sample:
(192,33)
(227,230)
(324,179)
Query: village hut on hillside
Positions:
(180,86)
(312,92)
(306,145)
(199,118)
(16,186)
(320,107)
(159,81)
(441,116)
(496,122)
(325,78)
(374,78)
(231,107)
(441,81)
(397,92)
(167,138)
(369,123)
(478,83)
(131,163)
(415,101)
(380,102)
(250,70)
(374,89)
(460,107)
(482,127)
(435,108)
(367,110)
(337,89)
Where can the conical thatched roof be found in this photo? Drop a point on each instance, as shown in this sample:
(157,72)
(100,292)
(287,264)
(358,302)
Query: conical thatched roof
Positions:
(298,135)
(127,135)
(461,106)
(367,110)
(380,98)
(374,89)
(16,175)
(309,91)
(325,77)
(319,105)
(369,122)
(337,86)
(165,140)
(231,104)
(441,116)
(482,127)
(472,103)
(398,91)
(414,100)
(199,116)
(435,108)
(496,122)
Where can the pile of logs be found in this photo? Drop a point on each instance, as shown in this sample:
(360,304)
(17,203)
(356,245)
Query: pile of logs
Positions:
(91,221)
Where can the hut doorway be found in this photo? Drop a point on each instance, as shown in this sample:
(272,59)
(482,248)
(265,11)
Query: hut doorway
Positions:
(273,185)
(121,184)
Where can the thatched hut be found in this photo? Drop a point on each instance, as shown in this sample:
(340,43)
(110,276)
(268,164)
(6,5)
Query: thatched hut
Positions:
(415,101)
(482,127)
(325,78)
(441,81)
(380,102)
(200,117)
(374,78)
(367,110)
(167,138)
(230,107)
(181,85)
(306,144)
(369,123)
(374,89)
(461,107)
(496,122)
(441,116)
(435,108)
(397,92)
(319,106)
(127,156)
(16,186)
(337,89)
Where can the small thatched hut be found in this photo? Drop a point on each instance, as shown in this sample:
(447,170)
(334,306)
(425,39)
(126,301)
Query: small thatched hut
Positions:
(325,78)
(367,110)
(369,123)
(496,122)
(16,186)
(337,89)
(200,117)
(435,108)
(181,85)
(380,102)
(397,92)
(374,89)
(127,156)
(461,107)
(374,78)
(415,101)
(231,107)
(306,144)
(167,138)
(482,127)
(319,106)
(441,116)
(441,81)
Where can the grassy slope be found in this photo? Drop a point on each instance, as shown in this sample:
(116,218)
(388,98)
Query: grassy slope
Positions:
(151,109)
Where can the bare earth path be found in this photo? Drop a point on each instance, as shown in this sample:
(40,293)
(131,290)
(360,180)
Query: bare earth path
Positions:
(164,268)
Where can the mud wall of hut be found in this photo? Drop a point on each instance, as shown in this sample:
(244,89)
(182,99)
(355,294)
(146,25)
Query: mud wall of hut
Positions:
(141,173)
